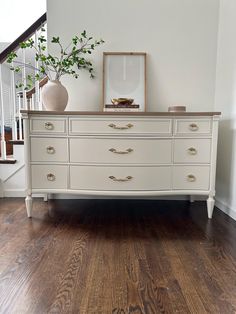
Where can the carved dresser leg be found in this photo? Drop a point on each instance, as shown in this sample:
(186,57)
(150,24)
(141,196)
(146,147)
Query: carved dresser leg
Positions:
(28,203)
(210,206)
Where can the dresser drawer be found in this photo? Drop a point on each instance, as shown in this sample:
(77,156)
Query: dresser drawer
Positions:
(120,126)
(49,177)
(192,150)
(115,150)
(191,177)
(191,127)
(125,178)
(49,149)
(48,126)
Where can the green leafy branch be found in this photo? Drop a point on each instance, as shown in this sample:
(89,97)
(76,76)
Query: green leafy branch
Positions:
(54,67)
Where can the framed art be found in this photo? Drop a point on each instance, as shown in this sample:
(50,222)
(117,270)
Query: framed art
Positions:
(124,81)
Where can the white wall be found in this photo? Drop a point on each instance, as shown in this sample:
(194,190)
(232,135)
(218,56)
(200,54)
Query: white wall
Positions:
(180,37)
(225,101)
(16,16)
(3,45)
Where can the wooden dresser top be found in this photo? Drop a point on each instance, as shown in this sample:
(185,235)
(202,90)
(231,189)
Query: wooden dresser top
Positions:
(101,113)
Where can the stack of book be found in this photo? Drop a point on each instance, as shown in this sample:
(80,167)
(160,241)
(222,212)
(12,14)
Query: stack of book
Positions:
(121,108)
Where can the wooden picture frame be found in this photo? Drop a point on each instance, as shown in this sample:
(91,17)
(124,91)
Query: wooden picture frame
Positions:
(124,76)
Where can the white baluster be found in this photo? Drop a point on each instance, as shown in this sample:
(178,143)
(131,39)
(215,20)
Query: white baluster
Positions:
(40,99)
(25,105)
(19,117)
(3,142)
(13,99)
(32,102)
(37,91)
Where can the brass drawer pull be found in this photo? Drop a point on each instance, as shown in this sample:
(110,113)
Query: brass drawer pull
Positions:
(51,177)
(128,178)
(191,178)
(193,127)
(49,126)
(50,150)
(128,126)
(192,151)
(127,151)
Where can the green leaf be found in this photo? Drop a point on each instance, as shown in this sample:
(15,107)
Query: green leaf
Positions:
(55,40)
(23,45)
(42,58)
(75,40)
(83,34)
(42,39)
(42,69)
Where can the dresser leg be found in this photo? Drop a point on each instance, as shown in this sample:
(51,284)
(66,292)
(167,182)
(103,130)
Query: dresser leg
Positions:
(210,206)
(28,203)
(45,198)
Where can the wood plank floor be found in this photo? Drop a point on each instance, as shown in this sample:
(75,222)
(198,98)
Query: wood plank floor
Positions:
(116,257)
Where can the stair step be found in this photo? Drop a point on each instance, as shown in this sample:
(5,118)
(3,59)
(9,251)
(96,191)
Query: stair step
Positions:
(8,161)
(18,142)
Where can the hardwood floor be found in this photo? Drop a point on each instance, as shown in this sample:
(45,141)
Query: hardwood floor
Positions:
(116,257)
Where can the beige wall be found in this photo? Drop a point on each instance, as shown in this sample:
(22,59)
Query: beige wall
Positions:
(180,37)
(225,101)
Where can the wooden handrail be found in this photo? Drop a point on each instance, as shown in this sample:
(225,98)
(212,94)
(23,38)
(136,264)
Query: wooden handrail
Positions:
(23,37)
(30,92)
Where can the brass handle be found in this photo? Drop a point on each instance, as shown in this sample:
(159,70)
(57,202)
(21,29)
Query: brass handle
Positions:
(193,127)
(191,178)
(128,178)
(113,126)
(192,151)
(51,177)
(127,151)
(49,126)
(50,150)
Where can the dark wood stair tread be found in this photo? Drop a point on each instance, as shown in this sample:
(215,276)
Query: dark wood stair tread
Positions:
(17,142)
(7,161)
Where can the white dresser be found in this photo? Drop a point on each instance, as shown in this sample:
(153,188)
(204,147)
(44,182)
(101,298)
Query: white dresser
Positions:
(141,154)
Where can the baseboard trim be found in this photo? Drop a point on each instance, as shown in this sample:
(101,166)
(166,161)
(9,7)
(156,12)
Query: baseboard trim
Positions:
(18,193)
(1,189)
(225,208)
(14,193)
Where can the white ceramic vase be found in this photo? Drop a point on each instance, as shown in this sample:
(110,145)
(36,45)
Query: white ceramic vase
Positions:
(54,96)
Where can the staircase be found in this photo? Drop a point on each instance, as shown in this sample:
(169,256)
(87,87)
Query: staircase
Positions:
(12,101)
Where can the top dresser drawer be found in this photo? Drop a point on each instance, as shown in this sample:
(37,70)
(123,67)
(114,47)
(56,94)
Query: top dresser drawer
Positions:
(192,127)
(119,126)
(48,126)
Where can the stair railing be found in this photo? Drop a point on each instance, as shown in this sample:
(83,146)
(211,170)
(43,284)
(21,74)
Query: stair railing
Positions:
(13,99)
